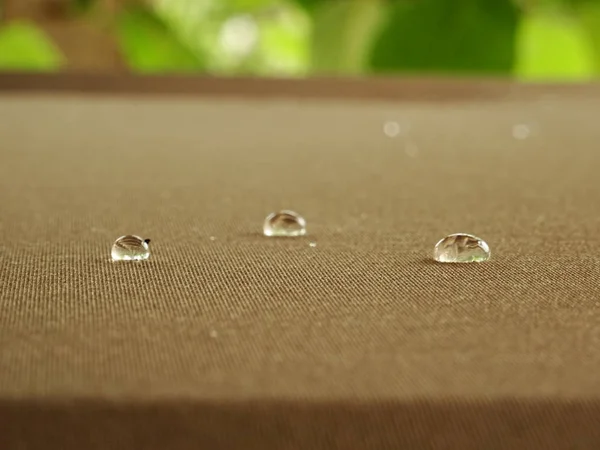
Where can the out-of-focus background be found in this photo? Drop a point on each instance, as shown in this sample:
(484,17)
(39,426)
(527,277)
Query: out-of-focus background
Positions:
(531,40)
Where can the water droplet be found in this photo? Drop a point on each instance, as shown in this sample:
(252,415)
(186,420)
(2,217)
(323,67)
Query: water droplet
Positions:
(212,238)
(284,224)
(461,248)
(521,132)
(312,244)
(213,334)
(130,248)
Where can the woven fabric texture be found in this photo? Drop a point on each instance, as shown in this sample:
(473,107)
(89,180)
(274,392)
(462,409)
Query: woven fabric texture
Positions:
(226,339)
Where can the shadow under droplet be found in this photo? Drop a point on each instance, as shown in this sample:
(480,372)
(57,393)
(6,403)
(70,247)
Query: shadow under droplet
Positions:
(430,262)
(433,262)
(253,234)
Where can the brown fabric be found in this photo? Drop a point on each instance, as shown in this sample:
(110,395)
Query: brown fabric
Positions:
(226,339)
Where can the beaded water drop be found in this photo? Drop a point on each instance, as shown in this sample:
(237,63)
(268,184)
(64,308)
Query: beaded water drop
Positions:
(130,248)
(461,248)
(284,224)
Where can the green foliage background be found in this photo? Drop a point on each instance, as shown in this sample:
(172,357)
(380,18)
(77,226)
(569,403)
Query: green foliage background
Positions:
(529,40)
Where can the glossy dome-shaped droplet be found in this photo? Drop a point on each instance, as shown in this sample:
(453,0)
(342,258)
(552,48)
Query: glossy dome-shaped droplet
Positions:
(284,224)
(461,248)
(130,248)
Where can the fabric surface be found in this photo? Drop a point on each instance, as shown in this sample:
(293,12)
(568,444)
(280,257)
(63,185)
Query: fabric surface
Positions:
(226,339)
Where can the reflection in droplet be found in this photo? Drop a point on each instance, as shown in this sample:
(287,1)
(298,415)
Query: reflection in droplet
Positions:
(312,244)
(284,224)
(461,248)
(521,131)
(130,248)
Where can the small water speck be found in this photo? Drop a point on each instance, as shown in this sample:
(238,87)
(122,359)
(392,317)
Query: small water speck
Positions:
(312,244)
(130,248)
(284,224)
(391,128)
(411,149)
(521,131)
(461,248)
(212,238)
(213,334)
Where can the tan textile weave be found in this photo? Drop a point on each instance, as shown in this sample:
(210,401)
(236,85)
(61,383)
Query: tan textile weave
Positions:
(226,339)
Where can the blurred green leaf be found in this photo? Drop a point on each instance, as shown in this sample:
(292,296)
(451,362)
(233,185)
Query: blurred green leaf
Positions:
(198,25)
(284,43)
(23,46)
(467,36)
(259,37)
(248,6)
(309,5)
(589,14)
(342,34)
(149,45)
(553,47)
(82,6)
